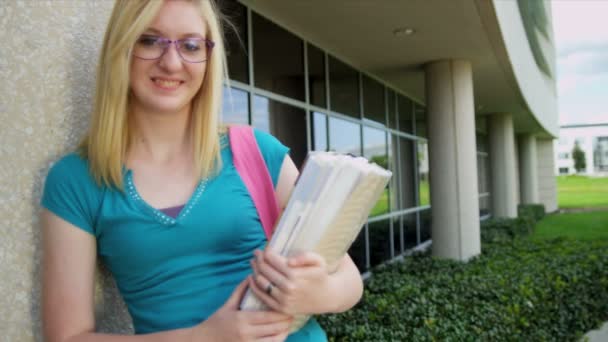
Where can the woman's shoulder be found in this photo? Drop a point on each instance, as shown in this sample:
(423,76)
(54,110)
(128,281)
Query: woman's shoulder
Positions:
(72,168)
(71,163)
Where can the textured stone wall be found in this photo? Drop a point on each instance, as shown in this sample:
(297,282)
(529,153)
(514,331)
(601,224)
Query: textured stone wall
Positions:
(48,58)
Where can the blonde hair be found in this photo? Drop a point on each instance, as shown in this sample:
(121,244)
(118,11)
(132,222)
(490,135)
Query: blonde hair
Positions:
(106,143)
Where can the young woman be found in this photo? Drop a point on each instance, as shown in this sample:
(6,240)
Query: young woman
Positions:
(153,192)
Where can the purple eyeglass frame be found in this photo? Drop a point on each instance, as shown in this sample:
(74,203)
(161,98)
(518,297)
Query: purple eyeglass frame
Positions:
(209,43)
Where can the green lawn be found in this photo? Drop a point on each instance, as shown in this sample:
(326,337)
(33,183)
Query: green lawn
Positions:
(580,226)
(581,192)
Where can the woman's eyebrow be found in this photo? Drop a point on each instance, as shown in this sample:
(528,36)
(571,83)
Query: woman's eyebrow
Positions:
(189,34)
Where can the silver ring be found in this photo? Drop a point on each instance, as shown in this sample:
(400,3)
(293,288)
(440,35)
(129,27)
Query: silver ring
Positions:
(269,289)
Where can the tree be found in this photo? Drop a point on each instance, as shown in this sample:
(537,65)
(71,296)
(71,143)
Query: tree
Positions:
(578,156)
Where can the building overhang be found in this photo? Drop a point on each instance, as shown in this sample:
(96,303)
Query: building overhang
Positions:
(372,37)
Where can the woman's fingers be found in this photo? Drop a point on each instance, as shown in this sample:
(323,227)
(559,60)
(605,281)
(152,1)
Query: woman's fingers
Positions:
(266,317)
(306,259)
(277,262)
(270,329)
(259,287)
(237,294)
(270,274)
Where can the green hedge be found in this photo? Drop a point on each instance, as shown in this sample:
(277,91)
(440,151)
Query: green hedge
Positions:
(536,211)
(507,229)
(514,291)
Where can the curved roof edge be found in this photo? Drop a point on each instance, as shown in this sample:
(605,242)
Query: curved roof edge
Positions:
(537,90)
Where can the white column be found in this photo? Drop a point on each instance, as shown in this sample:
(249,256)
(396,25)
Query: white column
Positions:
(453,159)
(502,161)
(547,187)
(528,175)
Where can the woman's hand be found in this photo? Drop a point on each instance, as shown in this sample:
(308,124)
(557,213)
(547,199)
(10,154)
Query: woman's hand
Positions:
(228,323)
(296,285)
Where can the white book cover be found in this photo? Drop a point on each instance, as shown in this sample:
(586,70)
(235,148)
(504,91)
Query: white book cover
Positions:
(326,211)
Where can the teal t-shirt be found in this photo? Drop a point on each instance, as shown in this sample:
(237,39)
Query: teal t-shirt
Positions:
(172,272)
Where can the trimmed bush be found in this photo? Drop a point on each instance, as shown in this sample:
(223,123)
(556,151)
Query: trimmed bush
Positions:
(536,211)
(515,291)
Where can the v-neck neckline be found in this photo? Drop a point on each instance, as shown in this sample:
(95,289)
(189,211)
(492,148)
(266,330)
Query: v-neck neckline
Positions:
(158,214)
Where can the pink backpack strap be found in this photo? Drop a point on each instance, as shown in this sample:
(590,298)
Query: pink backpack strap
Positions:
(251,166)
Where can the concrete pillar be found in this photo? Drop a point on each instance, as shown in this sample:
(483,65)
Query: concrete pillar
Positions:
(547,187)
(453,159)
(502,164)
(528,175)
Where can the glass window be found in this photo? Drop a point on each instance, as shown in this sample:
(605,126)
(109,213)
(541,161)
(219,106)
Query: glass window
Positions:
(278,61)
(408,225)
(482,142)
(425,225)
(373,100)
(235,106)
(420,118)
(316,76)
(236,41)
(344,136)
(406,176)
(484,205)
(344,88)
(423,173)
(357,251)
(404,108)
(392,165)
(374,149)
(392,112)
(287,123)
(483,174)
(319,132)
(379,242)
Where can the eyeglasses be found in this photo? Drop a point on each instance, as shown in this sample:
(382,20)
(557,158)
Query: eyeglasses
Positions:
(191,50)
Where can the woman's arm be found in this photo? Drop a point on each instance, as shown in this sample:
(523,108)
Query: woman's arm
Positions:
(69,257)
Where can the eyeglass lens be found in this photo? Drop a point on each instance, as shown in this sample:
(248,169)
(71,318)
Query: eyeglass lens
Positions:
(192,50)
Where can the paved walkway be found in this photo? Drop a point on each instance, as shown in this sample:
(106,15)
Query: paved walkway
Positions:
(600,335)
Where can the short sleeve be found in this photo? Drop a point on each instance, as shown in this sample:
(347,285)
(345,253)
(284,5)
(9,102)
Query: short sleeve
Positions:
(71,193)
(273,151)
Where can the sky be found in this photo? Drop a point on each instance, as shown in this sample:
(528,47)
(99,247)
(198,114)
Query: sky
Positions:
(581,41)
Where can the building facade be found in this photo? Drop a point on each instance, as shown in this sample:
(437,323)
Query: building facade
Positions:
(592,139)
(456,98)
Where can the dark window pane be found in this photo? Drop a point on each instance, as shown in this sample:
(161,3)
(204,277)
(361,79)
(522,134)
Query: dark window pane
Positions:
(316,76)
(482,142)
(373,100)
(236,40)
(405,116)
(319,132)
(344,88)
(379,242)
(420,117)
(344,136)
(277,59)
(392,165)
(423,174)
(357,251)
(235,106)
(483,174)
(392,112)
(425,225)
(484,205)
(409,231)
(405,174)
(285,122)
(374,149)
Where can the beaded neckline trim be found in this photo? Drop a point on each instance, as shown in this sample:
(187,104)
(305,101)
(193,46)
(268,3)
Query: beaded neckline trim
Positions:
(158,214)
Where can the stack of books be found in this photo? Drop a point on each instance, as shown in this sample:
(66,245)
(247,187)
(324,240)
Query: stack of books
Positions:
(328,207)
